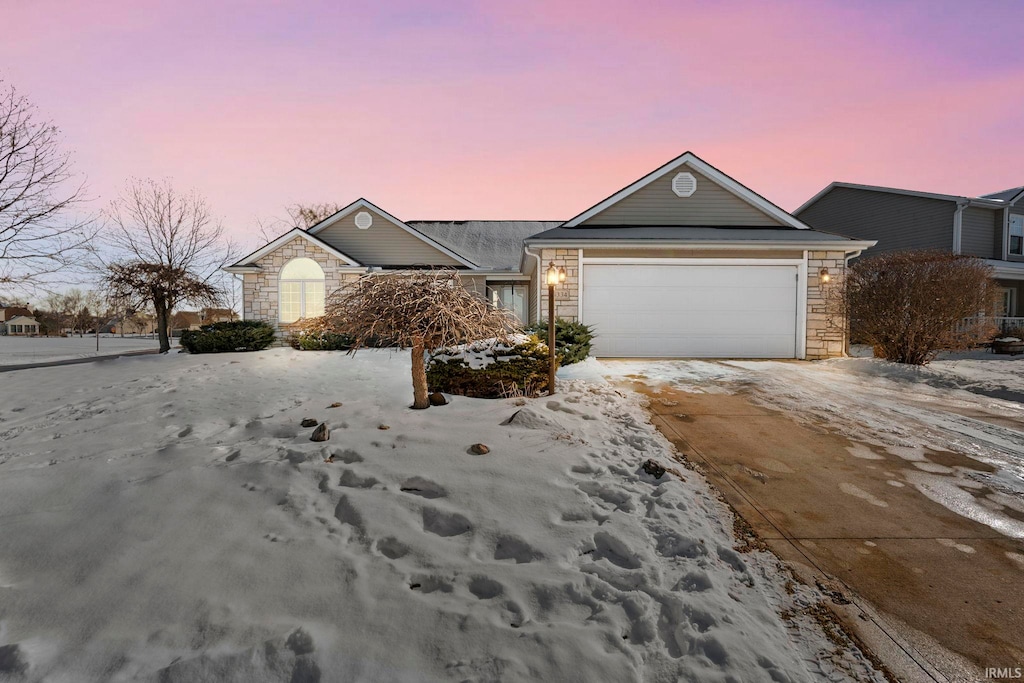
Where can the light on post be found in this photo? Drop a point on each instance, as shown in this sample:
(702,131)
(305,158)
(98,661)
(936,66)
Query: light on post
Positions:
(555,276)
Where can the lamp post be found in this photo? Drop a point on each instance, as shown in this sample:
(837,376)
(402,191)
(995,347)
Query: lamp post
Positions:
(555,275)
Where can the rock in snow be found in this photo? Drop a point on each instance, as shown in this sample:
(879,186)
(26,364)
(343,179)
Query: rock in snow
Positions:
(438,399)
(321,433)
(654,469)
(559,561)
(309,422)
(479,449)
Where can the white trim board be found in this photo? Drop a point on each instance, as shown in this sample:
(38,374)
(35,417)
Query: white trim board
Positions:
(845,246)
(285,239)
(640,261)
(693,161)
(365,204)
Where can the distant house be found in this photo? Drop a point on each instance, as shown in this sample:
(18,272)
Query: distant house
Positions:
(21,325)
(186,320)
(217,315)
(11,311)
(990,227)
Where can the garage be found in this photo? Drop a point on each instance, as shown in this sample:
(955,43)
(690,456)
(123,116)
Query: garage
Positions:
(698,309)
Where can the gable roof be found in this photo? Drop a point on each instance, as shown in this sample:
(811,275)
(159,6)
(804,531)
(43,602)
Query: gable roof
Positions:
(496,245)
(706,169)
(22,320)
(987,201)
(365,204)
(295,233)
(1014,194)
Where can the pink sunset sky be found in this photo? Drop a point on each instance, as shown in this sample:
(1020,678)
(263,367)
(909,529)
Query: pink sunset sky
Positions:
(526,109)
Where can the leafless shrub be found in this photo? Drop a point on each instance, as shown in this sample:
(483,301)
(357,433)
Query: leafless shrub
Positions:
(910,305)
(424,310)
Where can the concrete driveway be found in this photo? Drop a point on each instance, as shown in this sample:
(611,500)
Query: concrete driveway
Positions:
(934,593)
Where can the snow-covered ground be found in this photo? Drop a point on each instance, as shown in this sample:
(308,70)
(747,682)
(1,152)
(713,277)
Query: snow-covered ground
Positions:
(22,350)
(166,518)
(961,403)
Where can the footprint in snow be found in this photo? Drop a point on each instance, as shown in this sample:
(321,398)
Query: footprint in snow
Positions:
(350,479)
(615,550)
(485,588)
(512,548)
(424,488)
(443,523)
(392,548)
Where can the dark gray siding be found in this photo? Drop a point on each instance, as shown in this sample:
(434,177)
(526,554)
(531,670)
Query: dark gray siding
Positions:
(897,221)
(981,231)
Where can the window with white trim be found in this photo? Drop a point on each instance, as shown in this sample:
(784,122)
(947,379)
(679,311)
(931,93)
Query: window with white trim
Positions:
(1017,235)
(511,296)
(301,290)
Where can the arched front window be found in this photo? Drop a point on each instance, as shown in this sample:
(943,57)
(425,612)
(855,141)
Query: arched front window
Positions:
(302,290)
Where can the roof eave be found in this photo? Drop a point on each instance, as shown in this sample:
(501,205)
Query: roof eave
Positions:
(843,245)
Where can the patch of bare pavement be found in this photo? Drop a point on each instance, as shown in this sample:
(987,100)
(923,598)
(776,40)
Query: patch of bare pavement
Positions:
(933,593)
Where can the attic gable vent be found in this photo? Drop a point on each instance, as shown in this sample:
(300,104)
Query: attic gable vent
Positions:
(684,184)
(363,220)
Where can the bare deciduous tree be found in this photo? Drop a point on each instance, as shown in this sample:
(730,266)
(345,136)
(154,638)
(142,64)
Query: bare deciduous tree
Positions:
(39,197)
(911,304)
(303,216)
(169,250)
(420,309)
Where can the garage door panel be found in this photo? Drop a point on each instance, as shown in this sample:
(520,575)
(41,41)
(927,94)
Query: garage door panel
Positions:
(691,310)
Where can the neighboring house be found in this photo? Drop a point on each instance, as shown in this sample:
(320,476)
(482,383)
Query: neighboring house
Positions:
(8,312)
(684,262)
(186,320)
(990,227)
(208,316)
(21,325)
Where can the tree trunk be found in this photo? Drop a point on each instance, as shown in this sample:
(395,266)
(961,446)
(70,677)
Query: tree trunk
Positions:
(162,323)
(419,377)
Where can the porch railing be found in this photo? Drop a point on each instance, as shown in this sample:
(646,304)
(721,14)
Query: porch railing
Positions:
(1001,323)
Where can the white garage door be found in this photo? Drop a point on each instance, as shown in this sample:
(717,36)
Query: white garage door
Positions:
(692,311)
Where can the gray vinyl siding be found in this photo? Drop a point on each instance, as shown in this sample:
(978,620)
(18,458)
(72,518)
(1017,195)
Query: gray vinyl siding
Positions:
(382,244)
(896,221)
(981,232)
(657,204)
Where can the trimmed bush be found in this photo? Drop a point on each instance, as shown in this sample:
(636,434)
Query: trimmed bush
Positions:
(240,335)
(572,339)
(320,341)
(518,371)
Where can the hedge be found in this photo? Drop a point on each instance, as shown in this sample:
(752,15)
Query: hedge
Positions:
(239,335)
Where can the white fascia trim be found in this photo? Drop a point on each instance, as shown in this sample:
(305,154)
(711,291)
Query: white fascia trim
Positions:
(365,204)
(801,308)
(1012,270)
(242,269)
(634,261)
(973,201)
(706,169)
(845,246)
(288,237)
(497,276)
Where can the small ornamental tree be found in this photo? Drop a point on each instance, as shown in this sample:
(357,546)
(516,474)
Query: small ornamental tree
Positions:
(910,305)
(419,309)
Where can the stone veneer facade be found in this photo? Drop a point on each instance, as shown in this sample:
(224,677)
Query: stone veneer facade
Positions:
(260,290)
(826,336)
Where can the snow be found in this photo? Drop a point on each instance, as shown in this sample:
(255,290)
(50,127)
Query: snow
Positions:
(165,517)
(970,404)
(22,350)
